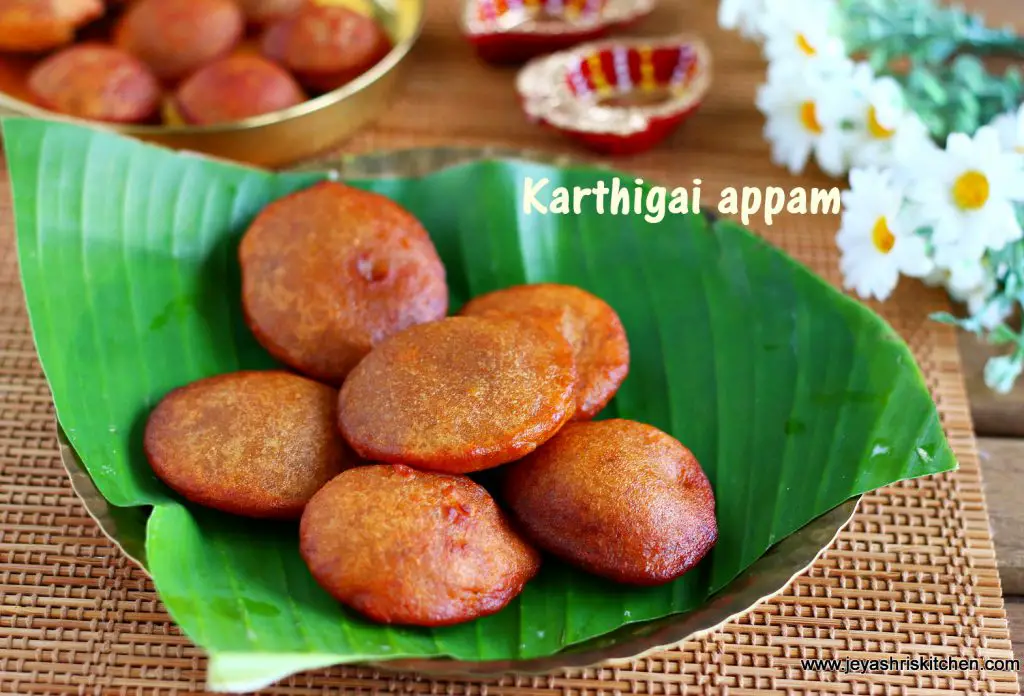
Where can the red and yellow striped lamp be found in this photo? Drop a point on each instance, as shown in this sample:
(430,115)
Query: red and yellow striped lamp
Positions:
(506,31)
(617,96)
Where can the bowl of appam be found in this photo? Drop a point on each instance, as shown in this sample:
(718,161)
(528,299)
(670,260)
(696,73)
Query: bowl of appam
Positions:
(756,411)
(296,128)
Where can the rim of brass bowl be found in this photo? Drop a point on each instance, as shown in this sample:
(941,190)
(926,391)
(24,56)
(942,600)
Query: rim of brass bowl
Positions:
(769,576)
(289,135)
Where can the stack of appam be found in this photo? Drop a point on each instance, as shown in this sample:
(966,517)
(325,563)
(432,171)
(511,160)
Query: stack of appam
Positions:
(386,407)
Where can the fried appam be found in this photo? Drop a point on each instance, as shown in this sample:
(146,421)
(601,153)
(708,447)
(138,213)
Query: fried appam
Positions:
(617,498)
(459,395)
(235,88)
(416,548)
(588,322)
(177,37)
(331,271)
(265,11)
(96,82)
(257,444)
(33,26)
(326,46)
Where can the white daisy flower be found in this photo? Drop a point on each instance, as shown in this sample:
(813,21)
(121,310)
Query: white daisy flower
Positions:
(912,150)
(742,15)
(800,30)
(972,283)
(977,300)
(875,242)
(966,193)
(965,277)
(884,127)
(795,125)
(1010,127)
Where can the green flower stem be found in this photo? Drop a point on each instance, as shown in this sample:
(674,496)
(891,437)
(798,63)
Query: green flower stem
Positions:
(994,44)
(920,31)
(960,97)
(976,40)
(936,54)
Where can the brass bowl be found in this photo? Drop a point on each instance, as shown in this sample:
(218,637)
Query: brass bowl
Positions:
(768,576)
(293,134)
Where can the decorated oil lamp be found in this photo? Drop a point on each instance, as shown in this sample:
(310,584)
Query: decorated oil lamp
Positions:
(505,31)
(617,96)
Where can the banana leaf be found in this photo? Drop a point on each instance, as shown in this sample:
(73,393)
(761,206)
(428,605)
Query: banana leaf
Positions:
(794,397)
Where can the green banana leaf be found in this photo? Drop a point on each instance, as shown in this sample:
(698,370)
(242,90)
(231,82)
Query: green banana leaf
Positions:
(794,397)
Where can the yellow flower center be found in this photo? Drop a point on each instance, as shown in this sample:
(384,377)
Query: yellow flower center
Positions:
(971,190)
(876,129)
(1020,149)
(809,117)
(881,236)
(804,45)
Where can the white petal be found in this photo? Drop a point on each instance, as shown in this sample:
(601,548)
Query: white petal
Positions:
(911,218)
(1001,372)
(831,154)
(729,12)
(965,275)
(1006,126)
(986,141)
(794,158)
(1001,225)
(1011,179)
(881,283)
(948,229)
(763,99)
(911,255)
(912,143)
(928,191)
(886,90)
(861,178)
(959,145)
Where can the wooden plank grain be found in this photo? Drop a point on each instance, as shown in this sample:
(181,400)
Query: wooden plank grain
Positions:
(1015,618)
(1003,465)
(994,415)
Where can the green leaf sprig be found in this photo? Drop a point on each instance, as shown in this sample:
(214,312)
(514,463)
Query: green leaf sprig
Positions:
(936,52)
(938,55)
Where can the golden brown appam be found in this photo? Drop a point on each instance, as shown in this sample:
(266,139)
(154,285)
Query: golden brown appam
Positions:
(96,82)
(235,88)
(331,271)
(177,37)
(416,548)
(32,26)
(459,395)
(617,498)
(326,46)
(591,326)
(265,11)
(257,444)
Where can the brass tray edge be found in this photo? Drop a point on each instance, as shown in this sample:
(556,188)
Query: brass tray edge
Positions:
(768,577)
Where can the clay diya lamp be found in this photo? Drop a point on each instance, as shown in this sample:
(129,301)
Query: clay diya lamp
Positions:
(512,31)
(617,96)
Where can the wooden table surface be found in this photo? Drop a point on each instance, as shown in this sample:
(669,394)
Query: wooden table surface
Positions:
(999,425)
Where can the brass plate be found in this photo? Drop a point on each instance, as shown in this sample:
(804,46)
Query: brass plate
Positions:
(769,576)
(293,134)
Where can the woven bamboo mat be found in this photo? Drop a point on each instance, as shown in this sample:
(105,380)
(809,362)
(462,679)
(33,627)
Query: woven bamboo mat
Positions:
(913,574)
